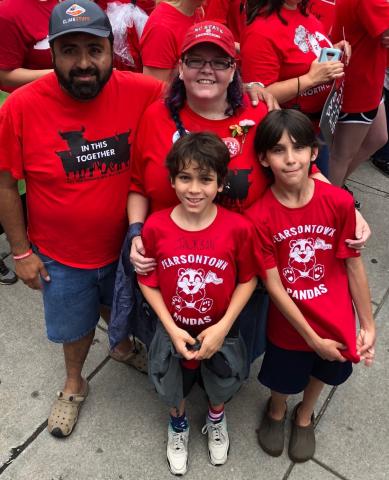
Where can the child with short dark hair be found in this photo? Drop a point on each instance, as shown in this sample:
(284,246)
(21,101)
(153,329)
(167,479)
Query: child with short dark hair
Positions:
(313,278)
(205,275)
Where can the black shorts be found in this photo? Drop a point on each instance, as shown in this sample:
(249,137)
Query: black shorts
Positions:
(367,118)
(289,371)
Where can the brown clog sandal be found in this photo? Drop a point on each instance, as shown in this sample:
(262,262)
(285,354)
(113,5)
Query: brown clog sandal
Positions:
(136,358)
(64,412)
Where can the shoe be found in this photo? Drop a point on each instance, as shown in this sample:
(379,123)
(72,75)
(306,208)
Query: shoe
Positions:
(218,441)
(64,412)
(357,203)
(271,433)
(7,276)
(137,357)
(177,451)
(382,164)
(302,442)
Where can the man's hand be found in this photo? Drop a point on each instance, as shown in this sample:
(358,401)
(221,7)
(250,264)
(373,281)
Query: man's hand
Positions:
(329,349)
(211,339)
(30,270)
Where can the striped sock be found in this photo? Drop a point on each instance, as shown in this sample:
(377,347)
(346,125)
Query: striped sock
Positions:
(179,424)
(215,416)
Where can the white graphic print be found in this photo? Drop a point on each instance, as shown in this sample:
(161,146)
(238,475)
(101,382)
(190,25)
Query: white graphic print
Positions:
(307,41)
(302,259)
(190,291)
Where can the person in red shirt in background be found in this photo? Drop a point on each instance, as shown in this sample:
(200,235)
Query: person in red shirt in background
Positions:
(24,47)
(324,10)
(361,127)
(231,13)
(164,33)
(280,47)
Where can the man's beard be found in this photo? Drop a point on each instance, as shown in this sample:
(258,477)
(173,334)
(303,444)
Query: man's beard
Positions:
(83,90)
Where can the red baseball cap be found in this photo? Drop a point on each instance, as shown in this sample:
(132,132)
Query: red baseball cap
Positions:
(210,32)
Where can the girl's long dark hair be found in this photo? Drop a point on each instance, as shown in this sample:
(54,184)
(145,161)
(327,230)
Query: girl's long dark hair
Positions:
(176,97)
(265,8)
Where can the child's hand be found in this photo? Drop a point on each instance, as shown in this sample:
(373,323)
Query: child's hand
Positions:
(211,341)
(329,350)
(180,338)
(365,345)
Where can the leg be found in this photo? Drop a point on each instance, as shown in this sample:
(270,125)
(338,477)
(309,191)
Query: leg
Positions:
(348,140)
(271,432)
(311,395)
(218,439)
(177,440)
(75,354)
(376,137)
(277,406)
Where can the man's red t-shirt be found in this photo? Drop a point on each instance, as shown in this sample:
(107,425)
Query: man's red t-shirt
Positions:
(24,27)
(163,36)
(307,245)
(197,272)
(272,52)
(156,135)
(363,22)
(75,158)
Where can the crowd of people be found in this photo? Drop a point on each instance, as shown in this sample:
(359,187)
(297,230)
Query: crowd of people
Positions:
(175,181)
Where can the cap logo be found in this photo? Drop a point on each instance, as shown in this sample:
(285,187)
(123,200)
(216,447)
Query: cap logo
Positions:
(75,10)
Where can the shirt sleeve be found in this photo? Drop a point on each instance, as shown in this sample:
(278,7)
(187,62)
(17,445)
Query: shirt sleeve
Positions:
(158,47)
(374,16)
(148,238)
(137,161)
(250,260)
(13,46)
(11,158)
(260,60)
(346,227)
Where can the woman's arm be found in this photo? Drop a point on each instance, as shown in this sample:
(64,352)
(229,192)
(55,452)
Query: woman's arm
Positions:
(20,76)
(163,74)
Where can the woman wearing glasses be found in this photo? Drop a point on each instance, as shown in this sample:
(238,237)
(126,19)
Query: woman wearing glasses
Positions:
(206,95)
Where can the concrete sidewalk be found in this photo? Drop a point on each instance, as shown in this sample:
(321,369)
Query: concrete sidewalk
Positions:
(121,433)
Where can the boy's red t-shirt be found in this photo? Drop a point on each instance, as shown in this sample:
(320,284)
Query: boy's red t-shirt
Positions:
(197,272)
(272,52)
(75,158)
(156,135)
(163,36)
(363,22)
(307,245)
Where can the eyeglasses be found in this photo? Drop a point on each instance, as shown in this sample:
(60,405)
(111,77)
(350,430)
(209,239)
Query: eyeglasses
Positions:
(218,64)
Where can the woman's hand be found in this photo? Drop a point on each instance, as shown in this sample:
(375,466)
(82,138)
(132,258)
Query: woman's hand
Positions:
(362,233)
(258,94)
(345,47)
(142,264)
(323,72)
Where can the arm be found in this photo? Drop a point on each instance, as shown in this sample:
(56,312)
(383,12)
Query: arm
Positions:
(361,297)
(362,229)
(178,336)
(325,348)
(20,76)
(163,74)
(137,208)
(212,337)
(319,72)
(30,268)
(258,93)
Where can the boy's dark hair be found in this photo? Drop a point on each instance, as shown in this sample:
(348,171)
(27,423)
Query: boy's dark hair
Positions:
(264,8)
(204,148)
(298,126)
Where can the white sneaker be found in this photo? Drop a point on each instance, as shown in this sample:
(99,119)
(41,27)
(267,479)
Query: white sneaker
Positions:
(177,451)
(218,441)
